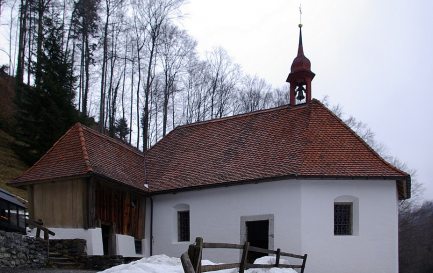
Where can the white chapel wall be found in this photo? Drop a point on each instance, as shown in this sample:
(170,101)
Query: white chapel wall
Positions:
(374,245)
(303,213)
(215,215)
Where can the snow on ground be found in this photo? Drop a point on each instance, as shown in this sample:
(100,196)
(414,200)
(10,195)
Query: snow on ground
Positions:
(165,264)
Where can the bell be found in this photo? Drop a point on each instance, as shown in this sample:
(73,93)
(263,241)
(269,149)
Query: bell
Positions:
(300,93)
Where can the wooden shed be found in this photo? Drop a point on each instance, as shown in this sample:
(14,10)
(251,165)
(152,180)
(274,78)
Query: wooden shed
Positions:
(86,181)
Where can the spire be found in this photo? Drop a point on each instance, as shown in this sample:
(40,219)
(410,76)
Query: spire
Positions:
(300,76)
(300,46)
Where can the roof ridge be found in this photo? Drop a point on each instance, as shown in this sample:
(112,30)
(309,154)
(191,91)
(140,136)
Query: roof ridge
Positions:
(376,154)
(84,148)
(303,157)
(115,141)
(261,111)
(42,157)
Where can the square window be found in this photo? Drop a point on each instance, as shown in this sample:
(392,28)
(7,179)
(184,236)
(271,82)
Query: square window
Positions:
(343,219)
(183,226)
(138,247)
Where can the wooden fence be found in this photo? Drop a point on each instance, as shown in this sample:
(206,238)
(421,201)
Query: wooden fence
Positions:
(39,225)
(191,260)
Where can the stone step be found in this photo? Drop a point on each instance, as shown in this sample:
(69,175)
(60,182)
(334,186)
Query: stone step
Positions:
(55,254)
(59,259)
(67,265)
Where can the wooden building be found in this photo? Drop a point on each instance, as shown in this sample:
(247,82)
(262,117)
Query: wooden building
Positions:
(90,186)
(12,213)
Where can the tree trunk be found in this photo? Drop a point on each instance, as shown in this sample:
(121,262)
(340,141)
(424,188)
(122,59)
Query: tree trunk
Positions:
(21,47)
(104,72)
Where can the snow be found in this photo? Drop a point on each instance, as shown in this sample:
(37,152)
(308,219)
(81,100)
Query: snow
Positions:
(165,264)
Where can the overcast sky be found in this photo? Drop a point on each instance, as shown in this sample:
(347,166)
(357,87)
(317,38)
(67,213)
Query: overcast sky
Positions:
(374,58)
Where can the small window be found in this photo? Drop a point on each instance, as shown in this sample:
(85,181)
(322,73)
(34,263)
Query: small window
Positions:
(343,219)
(183,226)
(138,247)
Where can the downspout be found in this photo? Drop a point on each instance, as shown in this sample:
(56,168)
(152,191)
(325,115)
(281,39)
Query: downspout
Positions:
(151,225)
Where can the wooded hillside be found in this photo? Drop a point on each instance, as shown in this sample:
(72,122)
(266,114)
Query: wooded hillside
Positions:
(10,164)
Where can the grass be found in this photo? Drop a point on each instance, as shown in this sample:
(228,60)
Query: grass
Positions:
(10,165)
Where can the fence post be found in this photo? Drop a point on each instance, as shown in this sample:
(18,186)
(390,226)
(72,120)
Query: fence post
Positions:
(244,257)
(199,250)
(186,263)
(303,263)
(277,258)
(194,253)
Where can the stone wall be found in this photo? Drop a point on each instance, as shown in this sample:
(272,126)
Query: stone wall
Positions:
(17,250)
(69,247)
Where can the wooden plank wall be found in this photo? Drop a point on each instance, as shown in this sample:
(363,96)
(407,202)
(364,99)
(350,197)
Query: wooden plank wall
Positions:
(59,204)
(121,208)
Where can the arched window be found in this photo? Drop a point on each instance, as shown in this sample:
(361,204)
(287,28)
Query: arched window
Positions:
(346,215)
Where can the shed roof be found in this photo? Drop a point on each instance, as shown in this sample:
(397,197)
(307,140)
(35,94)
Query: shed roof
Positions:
(9,197)
(83,151)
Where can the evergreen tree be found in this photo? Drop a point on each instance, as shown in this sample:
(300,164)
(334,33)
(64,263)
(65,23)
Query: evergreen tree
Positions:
(47,110)
(121,129)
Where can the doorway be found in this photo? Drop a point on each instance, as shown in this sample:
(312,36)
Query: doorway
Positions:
(107,239)
(258,236)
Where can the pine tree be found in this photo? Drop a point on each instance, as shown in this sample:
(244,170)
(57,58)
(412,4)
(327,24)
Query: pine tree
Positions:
(121,129)
(47,110)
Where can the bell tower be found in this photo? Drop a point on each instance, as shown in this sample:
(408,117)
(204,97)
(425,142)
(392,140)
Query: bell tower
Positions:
(300,76)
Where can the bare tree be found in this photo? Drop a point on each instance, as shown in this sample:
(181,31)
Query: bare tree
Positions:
(254,94)
(153,14)
(223,77)
(176,46)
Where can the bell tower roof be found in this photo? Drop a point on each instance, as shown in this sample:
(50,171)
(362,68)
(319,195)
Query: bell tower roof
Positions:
(300,63)
(300,76)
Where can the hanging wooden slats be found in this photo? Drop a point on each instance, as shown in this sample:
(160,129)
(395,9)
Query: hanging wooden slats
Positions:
(122,209)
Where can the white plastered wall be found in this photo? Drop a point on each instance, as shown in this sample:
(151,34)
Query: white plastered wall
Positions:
(303,222)
(373,247)
(92,236)
(215,215)
(125,245)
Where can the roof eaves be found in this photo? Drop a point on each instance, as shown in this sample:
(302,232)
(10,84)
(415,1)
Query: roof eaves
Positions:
(45,180)
(273,178)
(142,190)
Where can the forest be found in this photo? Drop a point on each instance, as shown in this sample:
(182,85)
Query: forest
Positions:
(126,64)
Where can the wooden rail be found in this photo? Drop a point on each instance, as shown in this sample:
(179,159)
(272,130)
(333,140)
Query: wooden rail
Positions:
(39,225)
(191,260)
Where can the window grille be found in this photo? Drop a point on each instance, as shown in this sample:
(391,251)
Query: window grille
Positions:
(343,219)
(183,226)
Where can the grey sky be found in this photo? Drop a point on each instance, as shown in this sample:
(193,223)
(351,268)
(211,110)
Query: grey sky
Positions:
(374,58)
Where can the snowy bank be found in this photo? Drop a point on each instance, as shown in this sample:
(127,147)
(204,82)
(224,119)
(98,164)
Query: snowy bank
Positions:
(165,264)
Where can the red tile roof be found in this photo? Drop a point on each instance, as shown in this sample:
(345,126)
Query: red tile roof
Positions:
(305,141)
(82,151)
(302,141)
